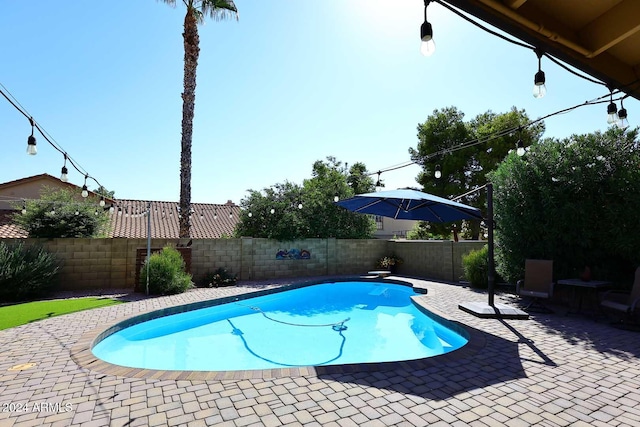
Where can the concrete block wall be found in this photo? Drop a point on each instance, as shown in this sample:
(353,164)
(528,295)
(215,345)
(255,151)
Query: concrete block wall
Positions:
(111,263)
(433,259)
(266,266)
(207,255)
(357,256)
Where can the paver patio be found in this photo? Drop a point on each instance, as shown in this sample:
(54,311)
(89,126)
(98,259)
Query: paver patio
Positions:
(551,370)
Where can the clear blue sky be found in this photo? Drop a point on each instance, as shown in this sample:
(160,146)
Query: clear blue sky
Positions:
(290,83)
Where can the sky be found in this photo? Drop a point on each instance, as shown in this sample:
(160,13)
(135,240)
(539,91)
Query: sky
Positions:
(289,83)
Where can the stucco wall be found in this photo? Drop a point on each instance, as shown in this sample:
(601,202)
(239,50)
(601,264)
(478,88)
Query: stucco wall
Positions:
(111,263)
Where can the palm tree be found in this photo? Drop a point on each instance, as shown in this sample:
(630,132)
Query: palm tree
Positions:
(197,10)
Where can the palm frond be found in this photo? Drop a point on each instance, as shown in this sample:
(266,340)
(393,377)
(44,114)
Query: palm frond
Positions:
(219,9)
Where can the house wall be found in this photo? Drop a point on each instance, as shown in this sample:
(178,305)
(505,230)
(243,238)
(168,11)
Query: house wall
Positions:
(394,228)
(111,263)
(26,190)
(31,189)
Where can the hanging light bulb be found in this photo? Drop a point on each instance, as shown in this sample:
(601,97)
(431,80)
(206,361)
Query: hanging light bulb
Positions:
(85,191)
(427,46)
(378,183)
(612,111)
(102,202)
(250,214)
(520,151)
(32,150)
(336,198)
(64,173)
(539,88)
(272,211)
(24,207)
(230,214)
(622,122)
(437,173)
(300,205)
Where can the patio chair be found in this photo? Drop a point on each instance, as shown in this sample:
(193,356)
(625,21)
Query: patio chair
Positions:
(623,302)
(537,284)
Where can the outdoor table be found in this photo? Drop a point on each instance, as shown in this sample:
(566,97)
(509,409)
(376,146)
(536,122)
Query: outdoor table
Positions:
(580,288)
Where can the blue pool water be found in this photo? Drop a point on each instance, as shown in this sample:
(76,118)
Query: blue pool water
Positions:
(324,324)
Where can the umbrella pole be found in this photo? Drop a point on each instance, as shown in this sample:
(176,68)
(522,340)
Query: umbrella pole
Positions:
(491,266)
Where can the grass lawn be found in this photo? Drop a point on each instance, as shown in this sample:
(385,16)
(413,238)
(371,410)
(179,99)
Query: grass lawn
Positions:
(20,314)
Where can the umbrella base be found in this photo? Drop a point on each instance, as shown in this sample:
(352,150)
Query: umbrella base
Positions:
(497,311)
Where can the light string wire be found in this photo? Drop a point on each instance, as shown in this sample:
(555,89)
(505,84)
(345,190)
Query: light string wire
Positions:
(517,43)
(470,143)
(16,104)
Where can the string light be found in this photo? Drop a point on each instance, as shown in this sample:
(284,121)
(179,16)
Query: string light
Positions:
(32,150)
(64,173)
(622,122)
(612,111)
(438,172)
(427,46)
(539,88)
(31,140)
(85,191)
(520,147)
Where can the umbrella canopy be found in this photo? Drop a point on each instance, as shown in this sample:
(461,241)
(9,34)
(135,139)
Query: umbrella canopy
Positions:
(410,204)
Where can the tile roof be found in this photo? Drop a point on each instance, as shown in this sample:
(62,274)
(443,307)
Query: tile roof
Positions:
(9,230)
(209,221)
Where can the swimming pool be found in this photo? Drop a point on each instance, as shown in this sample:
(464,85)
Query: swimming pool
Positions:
(317,325)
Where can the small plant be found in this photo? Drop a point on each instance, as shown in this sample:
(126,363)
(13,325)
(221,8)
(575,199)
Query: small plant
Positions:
(26,272)
(389,261)
(166,273)
(476,267)
(219,277)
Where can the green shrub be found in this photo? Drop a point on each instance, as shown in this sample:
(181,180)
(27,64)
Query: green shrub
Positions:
(476,267)
(574,201)
(217,278)
(26,272)
(166,273)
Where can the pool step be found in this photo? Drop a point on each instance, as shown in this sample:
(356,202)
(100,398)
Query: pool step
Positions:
(378,290)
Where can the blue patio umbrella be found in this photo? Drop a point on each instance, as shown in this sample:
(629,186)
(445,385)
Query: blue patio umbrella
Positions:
(410,204)
(416,205)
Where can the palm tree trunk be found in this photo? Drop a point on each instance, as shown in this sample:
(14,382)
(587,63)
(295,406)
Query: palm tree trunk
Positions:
(191,52)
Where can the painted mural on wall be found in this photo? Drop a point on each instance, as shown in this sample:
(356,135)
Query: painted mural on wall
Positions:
(293,254)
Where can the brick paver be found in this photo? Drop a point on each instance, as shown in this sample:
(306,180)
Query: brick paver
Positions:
(551,370)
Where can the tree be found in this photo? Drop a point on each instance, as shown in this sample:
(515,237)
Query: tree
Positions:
(574,201)
(330,180)
(288,211)
(102,191)
(196,12)
(59,214)
(487,140)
